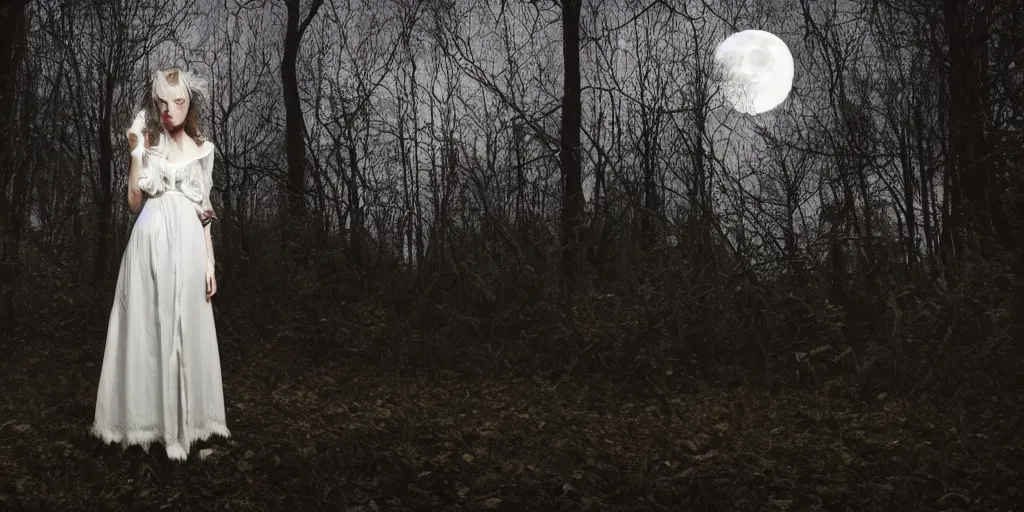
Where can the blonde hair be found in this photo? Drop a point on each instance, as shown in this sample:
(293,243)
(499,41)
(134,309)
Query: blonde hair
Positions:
(162,82)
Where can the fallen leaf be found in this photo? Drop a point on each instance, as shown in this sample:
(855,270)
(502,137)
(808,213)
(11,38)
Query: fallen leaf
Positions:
(490,503)
(877,439)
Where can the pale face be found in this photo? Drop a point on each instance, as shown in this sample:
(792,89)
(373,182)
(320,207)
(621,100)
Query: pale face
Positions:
(173,107)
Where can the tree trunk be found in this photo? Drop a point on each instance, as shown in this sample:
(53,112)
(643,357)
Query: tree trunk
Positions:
(12,51)
(406,232)
(355,208)
(105,195)
(569,156)
(974,207)
(295,126)
(908,198)
(924,167)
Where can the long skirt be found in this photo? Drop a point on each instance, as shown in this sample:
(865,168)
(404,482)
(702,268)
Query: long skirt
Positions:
(161,376)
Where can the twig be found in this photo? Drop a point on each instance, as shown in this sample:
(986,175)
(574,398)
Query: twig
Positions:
(575,360)
(942,349)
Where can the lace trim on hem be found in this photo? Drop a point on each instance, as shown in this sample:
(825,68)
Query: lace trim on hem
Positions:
(144,437)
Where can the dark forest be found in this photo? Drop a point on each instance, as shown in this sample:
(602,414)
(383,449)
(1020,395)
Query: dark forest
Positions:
(519,255)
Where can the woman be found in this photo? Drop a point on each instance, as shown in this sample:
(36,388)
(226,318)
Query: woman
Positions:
(161,377)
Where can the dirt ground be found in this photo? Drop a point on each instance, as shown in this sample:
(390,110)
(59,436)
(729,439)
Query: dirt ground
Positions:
(351,432)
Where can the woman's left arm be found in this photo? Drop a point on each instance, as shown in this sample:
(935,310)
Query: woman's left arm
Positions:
(208,214)
(207,217)
(210,261)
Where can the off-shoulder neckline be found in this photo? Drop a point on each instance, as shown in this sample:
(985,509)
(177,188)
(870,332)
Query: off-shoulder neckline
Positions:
(193,159)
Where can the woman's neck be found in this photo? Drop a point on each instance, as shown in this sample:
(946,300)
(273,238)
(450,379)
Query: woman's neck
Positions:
(178,137)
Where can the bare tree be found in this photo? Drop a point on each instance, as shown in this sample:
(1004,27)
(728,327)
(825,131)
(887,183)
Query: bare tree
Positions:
(243,87)
(364,57)
(14,19)
(295,125)
(975,205)
(105,43)
(573,202)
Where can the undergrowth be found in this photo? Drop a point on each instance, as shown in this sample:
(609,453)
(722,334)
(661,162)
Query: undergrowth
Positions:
(483,389)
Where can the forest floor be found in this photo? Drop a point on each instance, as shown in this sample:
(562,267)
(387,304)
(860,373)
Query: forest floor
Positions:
(350,431)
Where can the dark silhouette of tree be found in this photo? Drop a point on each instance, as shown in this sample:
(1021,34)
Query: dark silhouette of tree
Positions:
(12,206)
(295,125)
(976,217)
(569,144)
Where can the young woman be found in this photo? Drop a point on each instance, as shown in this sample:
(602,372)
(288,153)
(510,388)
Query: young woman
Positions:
(161,377)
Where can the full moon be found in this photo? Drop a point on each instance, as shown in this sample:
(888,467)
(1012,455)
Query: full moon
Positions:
(757,71)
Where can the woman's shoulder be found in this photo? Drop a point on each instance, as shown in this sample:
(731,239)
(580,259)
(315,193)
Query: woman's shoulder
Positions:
(205,149)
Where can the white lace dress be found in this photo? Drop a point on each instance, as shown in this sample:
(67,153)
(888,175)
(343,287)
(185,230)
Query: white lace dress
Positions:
(161,377)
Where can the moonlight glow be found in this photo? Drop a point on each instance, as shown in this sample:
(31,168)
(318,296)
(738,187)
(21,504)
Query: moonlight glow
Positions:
(757,70)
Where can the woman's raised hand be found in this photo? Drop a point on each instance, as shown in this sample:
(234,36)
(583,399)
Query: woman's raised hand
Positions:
(135,137)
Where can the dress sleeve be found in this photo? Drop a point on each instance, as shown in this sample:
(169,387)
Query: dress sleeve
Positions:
(208,213)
